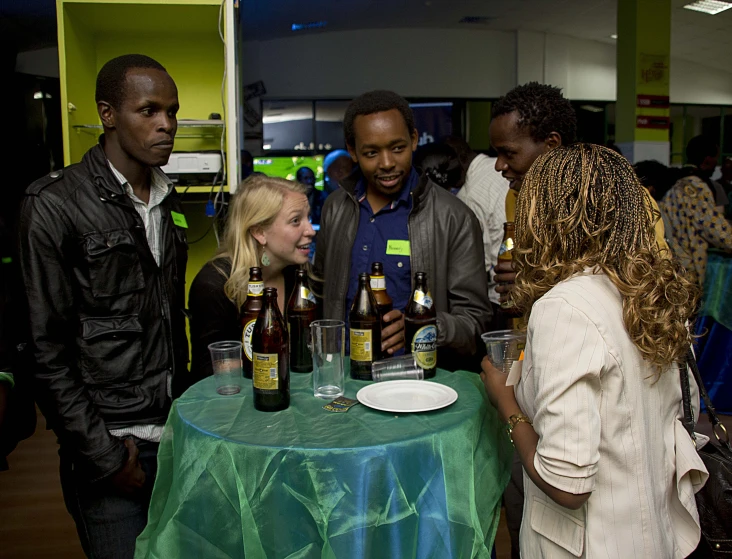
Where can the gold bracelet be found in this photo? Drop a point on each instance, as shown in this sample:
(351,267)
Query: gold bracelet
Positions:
(514,420)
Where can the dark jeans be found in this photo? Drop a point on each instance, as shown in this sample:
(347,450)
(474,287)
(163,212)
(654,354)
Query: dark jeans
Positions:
(513,500)
(108,521)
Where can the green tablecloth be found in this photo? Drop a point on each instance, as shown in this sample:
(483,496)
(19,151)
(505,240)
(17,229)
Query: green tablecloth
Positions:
(307,483)
(717,301)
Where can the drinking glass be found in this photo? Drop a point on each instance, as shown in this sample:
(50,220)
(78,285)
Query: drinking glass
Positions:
(504,347)
(227,366)
(397,368)
(328,338)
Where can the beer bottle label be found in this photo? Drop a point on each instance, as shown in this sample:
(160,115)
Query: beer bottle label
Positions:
(422,298)
(378,283)
(256,288)
(506,246)
(247,338)
(265,371)
(424,346)
(305,293)
(361,345)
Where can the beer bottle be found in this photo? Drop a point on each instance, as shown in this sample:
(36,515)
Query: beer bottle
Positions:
(270,357)
(365,330)
(249,313)
(300,313)
(505,253)
(383,301)
(420,326)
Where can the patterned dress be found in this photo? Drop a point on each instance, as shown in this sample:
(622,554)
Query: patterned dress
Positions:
(695,225)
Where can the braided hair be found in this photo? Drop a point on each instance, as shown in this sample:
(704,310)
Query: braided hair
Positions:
(582,206)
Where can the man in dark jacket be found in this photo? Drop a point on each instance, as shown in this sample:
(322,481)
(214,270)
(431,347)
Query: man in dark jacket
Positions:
(103,256)
(385,212)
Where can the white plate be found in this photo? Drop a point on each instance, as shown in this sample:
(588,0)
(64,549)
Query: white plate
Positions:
(406,396)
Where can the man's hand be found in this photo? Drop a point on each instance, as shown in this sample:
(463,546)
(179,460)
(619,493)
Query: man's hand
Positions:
(131,478)
(392,337)
(505,278)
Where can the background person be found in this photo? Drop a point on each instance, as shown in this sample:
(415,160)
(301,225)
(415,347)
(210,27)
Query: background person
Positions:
(267,227)
(588,262)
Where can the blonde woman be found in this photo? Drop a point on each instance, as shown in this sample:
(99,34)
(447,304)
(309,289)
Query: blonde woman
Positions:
(268,227)
(594,407)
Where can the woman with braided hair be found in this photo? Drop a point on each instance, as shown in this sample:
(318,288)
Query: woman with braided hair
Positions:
(594,406)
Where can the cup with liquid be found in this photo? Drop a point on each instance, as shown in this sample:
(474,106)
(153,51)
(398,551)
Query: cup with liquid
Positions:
(504,347)
(328,347)
(227,366)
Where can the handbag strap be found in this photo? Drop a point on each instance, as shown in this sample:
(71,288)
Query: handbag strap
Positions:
(711,412)
(688,421)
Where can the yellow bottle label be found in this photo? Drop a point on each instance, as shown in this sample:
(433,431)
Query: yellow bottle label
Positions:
(265,371)
(506,246)
(378,283)
(255,289)
(246,338)
(422,298)
(361,345)
(305,293)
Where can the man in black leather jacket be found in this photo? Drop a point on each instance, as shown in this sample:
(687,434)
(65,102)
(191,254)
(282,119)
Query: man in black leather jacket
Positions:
(386,212)
(103,256)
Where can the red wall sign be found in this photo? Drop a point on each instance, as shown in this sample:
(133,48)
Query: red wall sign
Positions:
(657,122)
(653,101)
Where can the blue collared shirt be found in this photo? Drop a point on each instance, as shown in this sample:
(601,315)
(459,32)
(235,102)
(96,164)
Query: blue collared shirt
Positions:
(369,246)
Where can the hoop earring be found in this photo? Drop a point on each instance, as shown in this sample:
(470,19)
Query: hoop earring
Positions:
(265,259)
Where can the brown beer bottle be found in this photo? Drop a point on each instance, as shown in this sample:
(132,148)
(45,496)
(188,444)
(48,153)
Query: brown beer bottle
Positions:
(270,357)
(249,313)
(383,301)
(365,330)
(420,326)
(300,313)
(505,254)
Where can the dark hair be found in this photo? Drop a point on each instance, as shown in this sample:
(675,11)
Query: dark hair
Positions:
(440,163)
(542,109)
(699,148)
(465,153)
(111,78)
(378,101)
(651,173)
(301,171)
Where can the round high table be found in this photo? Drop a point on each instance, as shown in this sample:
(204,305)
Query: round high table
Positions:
(308,483)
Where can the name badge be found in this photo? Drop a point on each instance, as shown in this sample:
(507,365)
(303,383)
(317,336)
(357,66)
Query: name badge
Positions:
(397,248)
(179,219)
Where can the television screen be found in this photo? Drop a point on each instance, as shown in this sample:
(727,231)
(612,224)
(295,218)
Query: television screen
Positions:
(286,167)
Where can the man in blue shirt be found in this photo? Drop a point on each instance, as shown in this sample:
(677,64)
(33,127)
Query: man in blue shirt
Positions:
(386,212)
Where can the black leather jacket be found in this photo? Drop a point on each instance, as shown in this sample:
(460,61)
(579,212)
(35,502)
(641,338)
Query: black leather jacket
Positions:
(445,242)
(107,323)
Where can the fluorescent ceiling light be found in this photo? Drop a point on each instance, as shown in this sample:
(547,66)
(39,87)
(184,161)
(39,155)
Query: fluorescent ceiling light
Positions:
(592,108)
(711,7)
(613,36)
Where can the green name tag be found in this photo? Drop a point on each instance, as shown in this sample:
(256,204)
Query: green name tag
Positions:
(179,220)
(397,248)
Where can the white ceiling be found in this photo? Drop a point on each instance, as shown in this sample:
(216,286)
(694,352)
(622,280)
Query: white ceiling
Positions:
(696,37)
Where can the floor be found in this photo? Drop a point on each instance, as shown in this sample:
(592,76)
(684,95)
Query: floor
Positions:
(35,523)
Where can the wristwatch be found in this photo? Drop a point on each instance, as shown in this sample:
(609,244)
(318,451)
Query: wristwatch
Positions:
(514,420)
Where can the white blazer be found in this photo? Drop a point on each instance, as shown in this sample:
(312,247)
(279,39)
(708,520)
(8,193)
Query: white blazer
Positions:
(608,426)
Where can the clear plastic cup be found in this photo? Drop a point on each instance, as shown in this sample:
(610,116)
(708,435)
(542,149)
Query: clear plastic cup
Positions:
(504,347)
(328,349)
(397,368)
(227,366)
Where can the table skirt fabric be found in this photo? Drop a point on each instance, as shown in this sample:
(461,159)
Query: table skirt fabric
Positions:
(306,483)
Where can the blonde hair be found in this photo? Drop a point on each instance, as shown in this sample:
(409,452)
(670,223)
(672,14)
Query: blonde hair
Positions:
(582,206)
(256,204)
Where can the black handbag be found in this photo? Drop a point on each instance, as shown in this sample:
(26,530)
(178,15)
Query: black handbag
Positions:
(714,500)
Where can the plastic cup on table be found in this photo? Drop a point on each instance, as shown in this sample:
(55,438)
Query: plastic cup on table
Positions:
(328,348)
(227,366)
(504,347)
(403,367)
